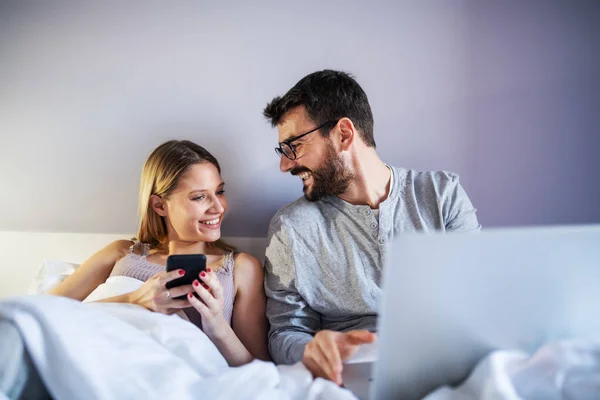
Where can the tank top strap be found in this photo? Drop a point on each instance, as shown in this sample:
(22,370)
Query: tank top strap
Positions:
(228,261)
(139,248)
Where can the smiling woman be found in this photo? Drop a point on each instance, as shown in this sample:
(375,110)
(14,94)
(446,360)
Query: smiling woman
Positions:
(182,204)
(183,181)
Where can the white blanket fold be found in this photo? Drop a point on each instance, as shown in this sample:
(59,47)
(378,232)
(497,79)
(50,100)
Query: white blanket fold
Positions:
(110,351)
(568,369)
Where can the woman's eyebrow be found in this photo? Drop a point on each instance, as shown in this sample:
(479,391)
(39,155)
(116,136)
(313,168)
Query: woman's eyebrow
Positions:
(221,185)
(197,191)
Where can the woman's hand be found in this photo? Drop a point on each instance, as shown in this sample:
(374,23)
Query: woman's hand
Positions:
(154,295)
(210,304)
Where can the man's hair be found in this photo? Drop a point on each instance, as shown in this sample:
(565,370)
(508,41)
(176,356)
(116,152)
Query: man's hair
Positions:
(327,96)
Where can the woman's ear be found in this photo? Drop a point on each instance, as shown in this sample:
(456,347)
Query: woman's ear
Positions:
(158,205)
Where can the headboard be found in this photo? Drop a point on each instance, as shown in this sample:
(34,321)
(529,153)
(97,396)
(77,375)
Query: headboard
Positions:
(24,252)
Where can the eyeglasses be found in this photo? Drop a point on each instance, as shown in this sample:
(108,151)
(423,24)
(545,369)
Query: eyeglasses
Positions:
(286,147)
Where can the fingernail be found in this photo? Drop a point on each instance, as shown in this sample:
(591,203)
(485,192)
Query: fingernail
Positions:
(196,283)
(203,274)
(208,270)
(190,296)
(181,272)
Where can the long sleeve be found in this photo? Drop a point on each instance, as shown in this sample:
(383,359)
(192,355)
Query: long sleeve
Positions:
(461,215)
(293,322)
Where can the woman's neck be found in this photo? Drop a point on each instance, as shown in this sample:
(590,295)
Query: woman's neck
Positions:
(182,247)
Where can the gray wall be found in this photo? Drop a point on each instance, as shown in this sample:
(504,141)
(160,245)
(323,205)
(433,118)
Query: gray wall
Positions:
(504,93)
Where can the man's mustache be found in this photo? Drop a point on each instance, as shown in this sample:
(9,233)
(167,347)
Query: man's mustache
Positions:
(299,170)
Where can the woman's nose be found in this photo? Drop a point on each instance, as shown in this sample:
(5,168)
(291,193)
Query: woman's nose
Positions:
(217,206)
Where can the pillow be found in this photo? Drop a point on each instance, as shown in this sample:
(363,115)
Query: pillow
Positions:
(114,286)
(51,274)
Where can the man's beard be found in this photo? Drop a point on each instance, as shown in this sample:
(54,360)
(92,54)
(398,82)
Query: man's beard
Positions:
(329,179)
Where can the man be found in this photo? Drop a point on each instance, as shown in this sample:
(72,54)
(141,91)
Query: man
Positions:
(326,250)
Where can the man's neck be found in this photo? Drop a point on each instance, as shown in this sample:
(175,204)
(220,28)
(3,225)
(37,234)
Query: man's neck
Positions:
(371,182)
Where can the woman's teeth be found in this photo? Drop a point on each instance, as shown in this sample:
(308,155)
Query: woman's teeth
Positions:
(211,222)
(304,175)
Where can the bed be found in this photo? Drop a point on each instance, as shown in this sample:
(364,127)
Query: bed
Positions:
(99,350)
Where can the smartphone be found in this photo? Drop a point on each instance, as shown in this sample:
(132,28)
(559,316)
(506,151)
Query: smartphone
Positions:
(192,264)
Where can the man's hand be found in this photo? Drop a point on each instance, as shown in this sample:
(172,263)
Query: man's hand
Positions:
(324,354)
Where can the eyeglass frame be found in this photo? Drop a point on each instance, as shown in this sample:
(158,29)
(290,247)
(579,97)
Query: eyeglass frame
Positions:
(279,149)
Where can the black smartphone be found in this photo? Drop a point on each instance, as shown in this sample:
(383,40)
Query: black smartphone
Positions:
(192,264)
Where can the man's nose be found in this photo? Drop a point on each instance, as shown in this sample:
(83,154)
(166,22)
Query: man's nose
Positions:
(285,164)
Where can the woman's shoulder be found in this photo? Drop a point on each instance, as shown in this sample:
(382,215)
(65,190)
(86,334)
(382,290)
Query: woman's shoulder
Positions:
(248,273)
(247,264)
(123,244)
(118,248)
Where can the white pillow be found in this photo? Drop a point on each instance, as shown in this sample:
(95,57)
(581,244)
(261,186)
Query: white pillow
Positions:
(114,286)
(51,274)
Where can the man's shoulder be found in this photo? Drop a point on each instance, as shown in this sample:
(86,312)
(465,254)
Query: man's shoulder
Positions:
(298,212)
(438,180)
(440,192)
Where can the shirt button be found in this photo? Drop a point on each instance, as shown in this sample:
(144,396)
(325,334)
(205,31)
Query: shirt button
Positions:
(373,225)
(368,211)
(382,240)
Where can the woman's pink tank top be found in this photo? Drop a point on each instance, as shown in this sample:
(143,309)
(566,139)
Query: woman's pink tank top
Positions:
(138,267)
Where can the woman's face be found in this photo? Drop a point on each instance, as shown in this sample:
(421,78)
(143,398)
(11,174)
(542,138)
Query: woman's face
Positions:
(195,209)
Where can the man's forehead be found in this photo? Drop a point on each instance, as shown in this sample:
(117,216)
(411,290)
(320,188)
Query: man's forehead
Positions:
(293,123)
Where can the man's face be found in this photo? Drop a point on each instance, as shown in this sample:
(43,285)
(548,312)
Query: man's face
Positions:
(317,163)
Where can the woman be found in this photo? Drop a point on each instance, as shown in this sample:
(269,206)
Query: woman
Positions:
(182,204)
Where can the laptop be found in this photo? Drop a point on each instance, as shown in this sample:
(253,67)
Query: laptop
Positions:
(450,299)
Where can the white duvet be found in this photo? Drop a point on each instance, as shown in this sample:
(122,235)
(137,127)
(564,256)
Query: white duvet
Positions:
(565,370)
(119,351)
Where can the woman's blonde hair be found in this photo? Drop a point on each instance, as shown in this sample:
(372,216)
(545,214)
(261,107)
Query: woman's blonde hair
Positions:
(160,176)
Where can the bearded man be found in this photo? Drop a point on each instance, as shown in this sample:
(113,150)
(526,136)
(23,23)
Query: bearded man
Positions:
(326,251)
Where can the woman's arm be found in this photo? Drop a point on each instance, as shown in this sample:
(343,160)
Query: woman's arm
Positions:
(249,321)
(246,338)
(93,272)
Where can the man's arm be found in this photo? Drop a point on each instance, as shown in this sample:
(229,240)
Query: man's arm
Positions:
(293,322)
(293,325)
(295,333)
(459,213)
